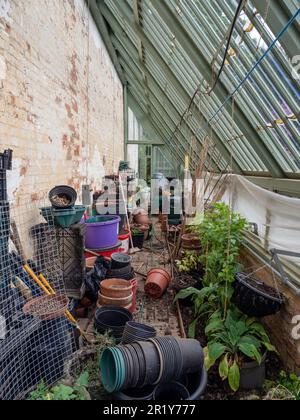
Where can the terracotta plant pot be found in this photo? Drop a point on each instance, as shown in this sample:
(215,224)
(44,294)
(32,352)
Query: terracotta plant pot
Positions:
(119,302)
(116,288)
(90,262)
(47,307)
(141,217)
(157,282)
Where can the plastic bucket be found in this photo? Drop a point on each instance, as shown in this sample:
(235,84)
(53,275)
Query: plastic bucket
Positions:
(101,232)
(125,239)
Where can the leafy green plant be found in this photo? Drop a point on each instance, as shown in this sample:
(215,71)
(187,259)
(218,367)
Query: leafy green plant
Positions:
(286,388)
(189,262)
(232,341)
(136,231)
(62,392)
(204,300)
(221,233)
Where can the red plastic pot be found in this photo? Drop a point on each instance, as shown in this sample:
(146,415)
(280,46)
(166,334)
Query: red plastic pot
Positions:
(106,254)
(157,282)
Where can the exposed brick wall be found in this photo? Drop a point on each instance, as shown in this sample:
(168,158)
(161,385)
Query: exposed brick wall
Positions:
(279,326)
(43,97)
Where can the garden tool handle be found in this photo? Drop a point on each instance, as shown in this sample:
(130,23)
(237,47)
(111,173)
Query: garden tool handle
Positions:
(36,279)
(46,284)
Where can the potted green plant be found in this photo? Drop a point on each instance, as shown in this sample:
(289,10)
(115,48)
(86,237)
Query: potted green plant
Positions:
(137,238)
(238,345)
(189,262)
(205,302)
(221,233)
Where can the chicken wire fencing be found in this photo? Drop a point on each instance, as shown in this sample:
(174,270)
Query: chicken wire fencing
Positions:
(35,334)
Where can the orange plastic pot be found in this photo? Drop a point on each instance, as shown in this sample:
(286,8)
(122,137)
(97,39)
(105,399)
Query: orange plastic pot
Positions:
(116,288)
(157,282)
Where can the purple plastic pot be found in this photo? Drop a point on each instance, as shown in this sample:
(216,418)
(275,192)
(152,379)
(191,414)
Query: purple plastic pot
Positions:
(101,232)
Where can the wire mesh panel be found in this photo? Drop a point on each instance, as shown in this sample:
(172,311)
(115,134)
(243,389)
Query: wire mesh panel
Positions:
(35,335)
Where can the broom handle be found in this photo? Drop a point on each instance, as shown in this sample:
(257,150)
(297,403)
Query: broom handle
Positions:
(126,213)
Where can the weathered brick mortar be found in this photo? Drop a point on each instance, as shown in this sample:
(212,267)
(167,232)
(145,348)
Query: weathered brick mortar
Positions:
(43,99)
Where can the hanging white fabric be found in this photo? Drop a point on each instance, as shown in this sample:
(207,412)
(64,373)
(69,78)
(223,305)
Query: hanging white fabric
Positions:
(277,217)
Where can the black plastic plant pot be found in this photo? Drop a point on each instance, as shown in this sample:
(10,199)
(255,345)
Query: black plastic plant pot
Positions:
(192,354)
(141,364)
(169,359)
(135,331)
(120,260)
(254,298)
(113,319)
(113,274)
(172,391)
(138,240)
(152,362)
(253,375)
(116,272)
(138,394)
(63,191)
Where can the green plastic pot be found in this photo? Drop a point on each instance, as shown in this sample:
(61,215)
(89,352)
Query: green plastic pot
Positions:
(112,367)
(65,217)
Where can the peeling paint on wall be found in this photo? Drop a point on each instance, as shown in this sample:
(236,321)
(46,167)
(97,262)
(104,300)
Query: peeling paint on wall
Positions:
(5,10)
(2,68)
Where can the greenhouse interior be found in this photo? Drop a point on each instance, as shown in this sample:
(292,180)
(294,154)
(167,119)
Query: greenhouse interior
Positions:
(149,200)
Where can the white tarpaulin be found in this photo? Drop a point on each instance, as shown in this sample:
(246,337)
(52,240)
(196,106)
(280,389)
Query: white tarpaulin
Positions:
(277,217)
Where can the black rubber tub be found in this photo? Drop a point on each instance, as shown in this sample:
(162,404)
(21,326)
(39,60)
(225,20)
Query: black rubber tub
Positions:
(113,319)
(63,191)
(254,298)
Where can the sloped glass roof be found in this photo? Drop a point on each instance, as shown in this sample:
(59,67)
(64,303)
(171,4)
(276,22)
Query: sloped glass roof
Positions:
(171,51)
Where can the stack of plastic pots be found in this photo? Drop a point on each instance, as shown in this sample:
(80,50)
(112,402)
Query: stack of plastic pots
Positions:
(121,267)
(158,360)
(135,331)
(112,319)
